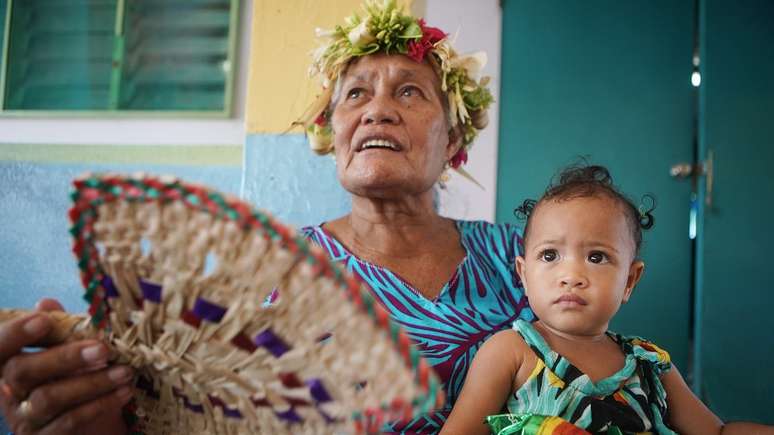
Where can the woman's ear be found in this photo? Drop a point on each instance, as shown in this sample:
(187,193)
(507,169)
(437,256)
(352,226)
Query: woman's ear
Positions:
(635,273)
(455,141)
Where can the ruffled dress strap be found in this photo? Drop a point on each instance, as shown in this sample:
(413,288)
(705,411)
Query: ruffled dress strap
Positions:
(653,363)
(536,342)
(647,352)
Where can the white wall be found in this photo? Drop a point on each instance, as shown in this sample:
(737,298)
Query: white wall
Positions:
(478,25)
(143,131)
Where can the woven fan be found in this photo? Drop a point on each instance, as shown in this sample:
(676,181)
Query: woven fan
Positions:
(176,276)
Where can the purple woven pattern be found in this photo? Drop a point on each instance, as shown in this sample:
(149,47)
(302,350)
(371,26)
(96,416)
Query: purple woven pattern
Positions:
(274,344)
(110,287)
(150,291)
(271,342)
(206,310)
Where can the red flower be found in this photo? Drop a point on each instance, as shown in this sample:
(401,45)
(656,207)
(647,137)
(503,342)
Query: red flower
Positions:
(321,121)
(416,51)
(459,159)
(430,35)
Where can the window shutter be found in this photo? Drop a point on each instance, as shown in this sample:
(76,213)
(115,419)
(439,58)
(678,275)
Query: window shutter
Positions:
(60,55)
(3,9)
(176,55)
(119,55)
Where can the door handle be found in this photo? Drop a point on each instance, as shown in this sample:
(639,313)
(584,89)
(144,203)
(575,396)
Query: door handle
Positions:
(709,177)
(695,170)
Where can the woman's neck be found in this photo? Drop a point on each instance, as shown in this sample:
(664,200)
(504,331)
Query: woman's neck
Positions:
(395,228)
(406,237)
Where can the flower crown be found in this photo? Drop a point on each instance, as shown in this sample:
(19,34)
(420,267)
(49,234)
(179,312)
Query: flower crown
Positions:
(386,29)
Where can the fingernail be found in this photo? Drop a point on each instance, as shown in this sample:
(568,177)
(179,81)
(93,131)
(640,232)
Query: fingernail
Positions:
(119,375)
(6,389)
(124,393)
(35,326)
(94,354)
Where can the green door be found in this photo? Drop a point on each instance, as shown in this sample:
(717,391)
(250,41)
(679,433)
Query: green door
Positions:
(735,322)
(610,80)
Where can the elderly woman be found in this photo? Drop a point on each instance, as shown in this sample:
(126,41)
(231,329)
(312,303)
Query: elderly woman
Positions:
(399,107)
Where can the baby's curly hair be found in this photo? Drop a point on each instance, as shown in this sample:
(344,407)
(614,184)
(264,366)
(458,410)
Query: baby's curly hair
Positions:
(584,181)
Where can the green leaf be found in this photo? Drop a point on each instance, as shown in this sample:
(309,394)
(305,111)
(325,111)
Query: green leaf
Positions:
(412,31)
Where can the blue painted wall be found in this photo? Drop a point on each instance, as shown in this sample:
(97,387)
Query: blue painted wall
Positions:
(283,176)
(35,259)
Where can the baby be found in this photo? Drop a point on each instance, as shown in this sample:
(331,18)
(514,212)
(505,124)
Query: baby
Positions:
(566,373)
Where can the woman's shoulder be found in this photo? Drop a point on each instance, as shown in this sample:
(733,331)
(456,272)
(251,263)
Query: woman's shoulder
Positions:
(489,230)
(309,231)
(486,226)
(319,236)
(502,239)
(316,234)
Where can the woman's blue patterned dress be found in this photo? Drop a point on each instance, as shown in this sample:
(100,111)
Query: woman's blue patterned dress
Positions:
(482,297)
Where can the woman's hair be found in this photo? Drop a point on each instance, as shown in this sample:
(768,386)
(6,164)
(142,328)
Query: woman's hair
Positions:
(585,181)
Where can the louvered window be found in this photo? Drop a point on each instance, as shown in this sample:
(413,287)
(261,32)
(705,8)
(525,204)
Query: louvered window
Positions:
(117,55)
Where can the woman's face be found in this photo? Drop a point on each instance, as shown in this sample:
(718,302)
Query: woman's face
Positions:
(391,135)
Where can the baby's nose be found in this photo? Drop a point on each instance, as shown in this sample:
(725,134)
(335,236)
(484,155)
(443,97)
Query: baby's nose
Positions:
(574,279)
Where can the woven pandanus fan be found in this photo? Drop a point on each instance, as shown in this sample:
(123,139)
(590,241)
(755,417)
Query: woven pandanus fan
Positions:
(177,276)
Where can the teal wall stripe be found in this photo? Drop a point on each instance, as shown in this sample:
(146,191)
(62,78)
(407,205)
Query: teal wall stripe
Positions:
(184,155)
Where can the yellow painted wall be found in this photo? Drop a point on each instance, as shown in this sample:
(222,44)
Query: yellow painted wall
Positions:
(282,38)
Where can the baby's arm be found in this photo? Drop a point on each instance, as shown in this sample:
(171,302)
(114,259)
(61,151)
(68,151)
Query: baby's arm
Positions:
(688,415)
(489,381)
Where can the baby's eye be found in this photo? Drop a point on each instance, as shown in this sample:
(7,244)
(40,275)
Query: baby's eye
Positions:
(598,257)
(549,255)
(354,93)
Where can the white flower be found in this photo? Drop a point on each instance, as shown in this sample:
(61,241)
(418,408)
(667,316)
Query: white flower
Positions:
(444,51)
(461,109)
(472,63)
(351,20)
(319,141)
(452,109)
(360,35)
(324,33)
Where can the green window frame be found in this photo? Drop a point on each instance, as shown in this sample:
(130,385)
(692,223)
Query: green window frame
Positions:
(118,58)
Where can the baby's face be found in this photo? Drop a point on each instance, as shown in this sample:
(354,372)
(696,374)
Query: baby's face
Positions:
(578,266)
